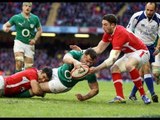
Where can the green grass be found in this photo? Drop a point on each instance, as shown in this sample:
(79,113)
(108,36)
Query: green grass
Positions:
(66,105)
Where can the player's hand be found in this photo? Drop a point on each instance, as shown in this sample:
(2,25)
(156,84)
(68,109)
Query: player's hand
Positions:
(77,64)
(6,29)
(32,42)
(75,47)
(92,70)
(157,78)
(156,52)
(79,97)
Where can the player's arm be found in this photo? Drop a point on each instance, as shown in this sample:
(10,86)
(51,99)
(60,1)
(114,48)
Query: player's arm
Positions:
(114,54)
(157,48)
(99,48)
(131,24)
(45,87)
(6,27)
(36,89)
(37,36)
(75,47)
(94,90)
(68,58)
(38,33)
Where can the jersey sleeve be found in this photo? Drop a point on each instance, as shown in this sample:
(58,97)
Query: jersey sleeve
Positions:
(119,41)
(32,74)
(38,22)
(12,20)
(132,23)
(159,26)
(76,54)
(91,78)
(105,37)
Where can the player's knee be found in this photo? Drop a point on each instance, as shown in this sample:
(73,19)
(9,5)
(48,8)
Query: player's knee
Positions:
(114,68)
(28,65)
(19,58)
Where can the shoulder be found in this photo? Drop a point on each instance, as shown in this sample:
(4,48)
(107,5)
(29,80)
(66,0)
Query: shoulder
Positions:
(120,28)
(31,70)
(158,15)
(16,15)
(34,16)
(137,14)
(91,78)
(75,52)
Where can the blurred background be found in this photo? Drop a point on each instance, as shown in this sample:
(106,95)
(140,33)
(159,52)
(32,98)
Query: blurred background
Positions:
(63,20)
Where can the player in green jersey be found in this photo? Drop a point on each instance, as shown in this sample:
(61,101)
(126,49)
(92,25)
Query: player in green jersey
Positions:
(28,28)
(62,81)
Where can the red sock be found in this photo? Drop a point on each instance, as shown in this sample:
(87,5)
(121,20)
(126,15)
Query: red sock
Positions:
(117,80)
(137,80)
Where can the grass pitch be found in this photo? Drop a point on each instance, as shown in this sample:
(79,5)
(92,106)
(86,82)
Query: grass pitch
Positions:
(65,105)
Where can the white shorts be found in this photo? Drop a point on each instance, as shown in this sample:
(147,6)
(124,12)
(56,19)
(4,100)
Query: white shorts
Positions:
(1,86)
(28,50)
(55,84)
(137,54)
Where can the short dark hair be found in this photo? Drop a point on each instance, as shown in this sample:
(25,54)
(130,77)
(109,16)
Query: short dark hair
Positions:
(91,52)
(48,71)
(111,18)
(153,3)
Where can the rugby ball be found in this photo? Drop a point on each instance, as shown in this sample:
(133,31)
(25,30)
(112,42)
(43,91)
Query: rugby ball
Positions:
(80,72)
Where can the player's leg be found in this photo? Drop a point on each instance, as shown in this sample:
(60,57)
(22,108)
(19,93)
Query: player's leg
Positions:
(19,61)
(116,70)
(19,55)
(132,95)
(135,61)
(148,78)
(29,56)
(2,85)
(156,69)
(25,94)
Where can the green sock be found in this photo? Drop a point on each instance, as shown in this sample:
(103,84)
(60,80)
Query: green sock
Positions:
(25,94)
(17,71)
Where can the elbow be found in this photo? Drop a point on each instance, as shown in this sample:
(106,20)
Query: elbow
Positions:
(38,93)
(95,91)
(98,51)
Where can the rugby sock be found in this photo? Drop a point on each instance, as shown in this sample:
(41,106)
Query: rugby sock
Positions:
(17,71)
(134,90)
(117,80)
(149,82)
(25,94)
(137,80)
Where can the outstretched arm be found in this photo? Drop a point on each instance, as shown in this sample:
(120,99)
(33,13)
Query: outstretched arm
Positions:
(37,36)
(36,89)
(94,90)
(75,47)
(99,48)
(6,27)
(114,54)
(68,58)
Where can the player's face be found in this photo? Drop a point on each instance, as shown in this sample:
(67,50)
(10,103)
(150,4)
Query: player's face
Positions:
(43,77)
(107,27)
(87,60)
(150,9)
(26,8)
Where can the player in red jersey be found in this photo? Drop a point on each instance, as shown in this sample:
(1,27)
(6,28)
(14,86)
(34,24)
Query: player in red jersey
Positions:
(135,54)
(28,79)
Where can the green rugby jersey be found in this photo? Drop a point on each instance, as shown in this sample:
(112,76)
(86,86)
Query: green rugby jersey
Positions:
(25,28)
(64,72)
